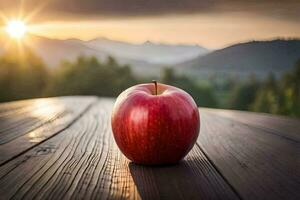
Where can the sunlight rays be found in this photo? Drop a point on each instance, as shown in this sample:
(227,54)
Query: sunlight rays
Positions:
(18,28)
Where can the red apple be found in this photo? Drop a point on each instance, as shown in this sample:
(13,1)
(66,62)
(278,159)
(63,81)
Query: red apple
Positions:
(155,124)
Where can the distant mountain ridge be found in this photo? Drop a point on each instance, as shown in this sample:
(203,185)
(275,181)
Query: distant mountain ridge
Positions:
(258,57)
(145,59)
(156,53)
(255,57)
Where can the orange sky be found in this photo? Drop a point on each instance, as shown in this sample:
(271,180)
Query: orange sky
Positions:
(209,30)
(213,25)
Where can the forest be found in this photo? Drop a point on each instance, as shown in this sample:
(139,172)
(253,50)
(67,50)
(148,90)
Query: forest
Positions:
(26,76)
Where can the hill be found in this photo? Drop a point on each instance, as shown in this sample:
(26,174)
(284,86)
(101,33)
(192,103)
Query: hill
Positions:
(156,53)
(255,57)
(145,59)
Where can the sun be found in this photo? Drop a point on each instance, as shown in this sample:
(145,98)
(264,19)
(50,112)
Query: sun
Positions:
(16,29)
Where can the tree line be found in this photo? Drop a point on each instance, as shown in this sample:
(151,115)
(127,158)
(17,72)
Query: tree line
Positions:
(26,76)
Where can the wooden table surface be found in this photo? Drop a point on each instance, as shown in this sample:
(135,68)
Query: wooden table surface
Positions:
(63,148)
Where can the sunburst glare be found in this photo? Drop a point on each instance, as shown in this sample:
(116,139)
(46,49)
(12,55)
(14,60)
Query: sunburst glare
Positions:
(16,29)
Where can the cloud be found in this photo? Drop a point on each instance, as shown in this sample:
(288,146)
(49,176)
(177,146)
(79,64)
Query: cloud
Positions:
(287,9)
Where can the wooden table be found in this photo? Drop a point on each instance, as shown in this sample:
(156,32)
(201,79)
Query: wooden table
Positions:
(63,148)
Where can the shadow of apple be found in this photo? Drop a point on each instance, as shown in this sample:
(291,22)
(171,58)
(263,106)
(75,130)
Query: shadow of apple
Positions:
(189,179)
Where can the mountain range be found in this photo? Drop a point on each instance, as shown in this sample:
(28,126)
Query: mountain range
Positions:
(145,59)
(155,53)
(255,57)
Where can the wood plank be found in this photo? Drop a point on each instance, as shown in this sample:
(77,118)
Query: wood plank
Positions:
(23,120)
(259,165)
(35,113)
(84,162)
(80,162)
(193,178)
(43,118)
(280,125)
(15,105)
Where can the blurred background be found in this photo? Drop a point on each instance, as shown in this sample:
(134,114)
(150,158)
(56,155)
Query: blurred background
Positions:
(229,54)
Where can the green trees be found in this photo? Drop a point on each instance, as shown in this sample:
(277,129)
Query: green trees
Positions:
(202,94)
(21,76)
(25,76)
(244,94)
(88,76)
(280,97)
(290,89)
(267,97)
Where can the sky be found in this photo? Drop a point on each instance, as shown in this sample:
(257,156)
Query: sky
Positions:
(210,23)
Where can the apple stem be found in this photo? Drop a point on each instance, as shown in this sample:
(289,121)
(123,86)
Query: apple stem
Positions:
(155,83)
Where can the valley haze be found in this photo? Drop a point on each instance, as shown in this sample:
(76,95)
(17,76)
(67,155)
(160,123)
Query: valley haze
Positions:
(148,58)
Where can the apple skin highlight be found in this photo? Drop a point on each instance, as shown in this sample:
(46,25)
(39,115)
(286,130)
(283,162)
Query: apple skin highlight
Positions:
(155,129)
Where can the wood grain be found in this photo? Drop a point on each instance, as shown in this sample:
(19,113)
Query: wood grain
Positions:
(83,162)
(282,126)
(259,165)
(63,148)
(24,127)
(192,178)
(80,162)
(9,107)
